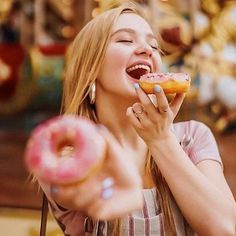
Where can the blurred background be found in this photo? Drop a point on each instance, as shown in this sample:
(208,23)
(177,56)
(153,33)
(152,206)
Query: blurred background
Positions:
(198,37)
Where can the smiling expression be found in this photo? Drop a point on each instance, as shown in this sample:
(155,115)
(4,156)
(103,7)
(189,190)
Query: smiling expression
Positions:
(132,52)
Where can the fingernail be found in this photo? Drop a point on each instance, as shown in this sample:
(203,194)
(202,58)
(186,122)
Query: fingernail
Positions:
(54,190)
(107,193)
(157,88)
(107,183)
(136,85)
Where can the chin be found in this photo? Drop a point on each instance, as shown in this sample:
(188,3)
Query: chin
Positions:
(132,95)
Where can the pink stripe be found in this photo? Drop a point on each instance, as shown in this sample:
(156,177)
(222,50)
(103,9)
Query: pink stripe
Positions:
(131,225)
(158,212)
(146,219)
(145,210)
(161,226)
(155,203)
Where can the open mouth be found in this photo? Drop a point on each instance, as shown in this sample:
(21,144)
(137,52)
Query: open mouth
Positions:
(138,70)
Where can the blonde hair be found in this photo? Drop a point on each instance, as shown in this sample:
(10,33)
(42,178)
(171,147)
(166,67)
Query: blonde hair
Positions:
(84,60)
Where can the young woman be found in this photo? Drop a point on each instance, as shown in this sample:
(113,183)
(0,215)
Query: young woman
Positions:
(159,178)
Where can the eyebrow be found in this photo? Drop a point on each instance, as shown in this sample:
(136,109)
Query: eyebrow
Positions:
(131,31)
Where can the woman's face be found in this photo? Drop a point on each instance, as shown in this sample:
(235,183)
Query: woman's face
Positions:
(132,52)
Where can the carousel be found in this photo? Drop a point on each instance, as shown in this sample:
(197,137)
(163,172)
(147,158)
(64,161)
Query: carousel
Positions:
(197,37)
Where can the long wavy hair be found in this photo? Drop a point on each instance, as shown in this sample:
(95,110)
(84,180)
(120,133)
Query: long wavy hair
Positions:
(84,60)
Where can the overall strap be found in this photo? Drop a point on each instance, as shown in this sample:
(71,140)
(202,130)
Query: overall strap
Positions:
(44,216)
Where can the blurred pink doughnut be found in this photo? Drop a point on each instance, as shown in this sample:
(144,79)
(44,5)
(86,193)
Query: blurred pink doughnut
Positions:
(65,149)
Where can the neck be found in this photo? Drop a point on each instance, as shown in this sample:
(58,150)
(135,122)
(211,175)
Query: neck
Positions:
(112,114)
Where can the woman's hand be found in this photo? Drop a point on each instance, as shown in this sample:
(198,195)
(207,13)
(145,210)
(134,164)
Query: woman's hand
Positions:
(113,192)
(154,122)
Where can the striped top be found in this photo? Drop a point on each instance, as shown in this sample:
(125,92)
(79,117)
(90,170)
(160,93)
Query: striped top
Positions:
(197,141)
(145,222)
(149,220)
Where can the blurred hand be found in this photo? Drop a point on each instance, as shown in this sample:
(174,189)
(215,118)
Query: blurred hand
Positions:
(113,192)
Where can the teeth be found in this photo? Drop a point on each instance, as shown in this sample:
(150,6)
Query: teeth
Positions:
(145,67)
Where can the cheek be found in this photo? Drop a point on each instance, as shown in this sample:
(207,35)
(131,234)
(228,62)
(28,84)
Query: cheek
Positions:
(116,58)
(158,63)
(114,64)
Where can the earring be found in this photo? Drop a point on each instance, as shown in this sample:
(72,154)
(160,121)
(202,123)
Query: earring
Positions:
(92,93)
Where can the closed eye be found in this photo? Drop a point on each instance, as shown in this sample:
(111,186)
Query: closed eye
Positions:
(125,41)
(154,47)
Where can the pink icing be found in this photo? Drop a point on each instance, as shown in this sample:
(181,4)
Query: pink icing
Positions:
(42,156)
(163,77)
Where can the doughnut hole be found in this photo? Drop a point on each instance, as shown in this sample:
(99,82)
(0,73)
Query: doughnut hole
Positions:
(65,149)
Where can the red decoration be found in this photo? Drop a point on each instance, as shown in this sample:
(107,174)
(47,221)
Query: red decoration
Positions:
(12,54)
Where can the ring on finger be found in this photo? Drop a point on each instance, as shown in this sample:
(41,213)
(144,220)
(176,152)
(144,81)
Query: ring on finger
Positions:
(163,110)
(138,112)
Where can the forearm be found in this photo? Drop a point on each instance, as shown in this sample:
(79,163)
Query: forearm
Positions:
(204,205)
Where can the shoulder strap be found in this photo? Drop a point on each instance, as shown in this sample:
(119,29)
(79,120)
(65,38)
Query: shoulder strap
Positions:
(44,216)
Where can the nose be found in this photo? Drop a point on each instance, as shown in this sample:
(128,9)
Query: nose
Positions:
(144,49)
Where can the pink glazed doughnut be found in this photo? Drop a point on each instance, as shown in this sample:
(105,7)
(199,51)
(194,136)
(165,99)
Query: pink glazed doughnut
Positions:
(65,149)
(170,82)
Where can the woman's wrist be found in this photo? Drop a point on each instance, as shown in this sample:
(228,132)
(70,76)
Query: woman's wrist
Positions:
(166,141)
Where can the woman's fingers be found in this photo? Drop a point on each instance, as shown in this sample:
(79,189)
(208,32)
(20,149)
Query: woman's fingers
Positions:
(82,194)
(141,115)
(162,102)
(118,207)
(145,101)
(89,193)
(122,203)
(104,200)
(176,103)
(133,118)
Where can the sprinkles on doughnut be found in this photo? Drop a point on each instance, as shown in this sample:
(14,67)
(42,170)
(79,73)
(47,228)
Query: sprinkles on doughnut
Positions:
(65,149)
(170,82)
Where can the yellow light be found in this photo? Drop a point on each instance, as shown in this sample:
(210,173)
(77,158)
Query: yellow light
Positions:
(95,12)
(68,31)
(5,6)
(68,2)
